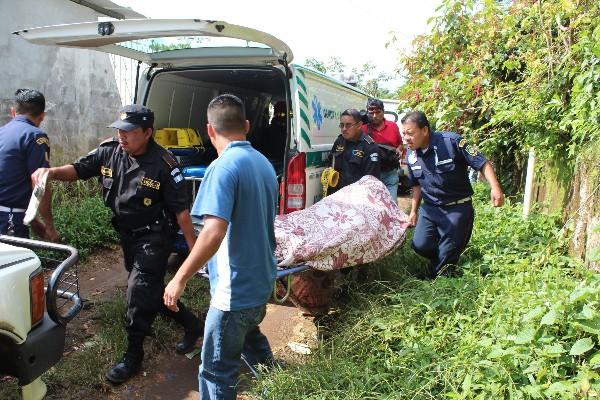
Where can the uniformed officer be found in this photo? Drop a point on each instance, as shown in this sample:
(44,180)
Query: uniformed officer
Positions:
(143,186)
(438,164)
(353,154)
(24,147)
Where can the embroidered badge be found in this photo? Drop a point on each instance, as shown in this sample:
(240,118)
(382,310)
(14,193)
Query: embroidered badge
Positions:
(175,172)
(151,183)
(339,148)
(462,142)
(43,140)
(472,150)
(147,201)
(106,171)
(178,178)
(358,153)
(374,157)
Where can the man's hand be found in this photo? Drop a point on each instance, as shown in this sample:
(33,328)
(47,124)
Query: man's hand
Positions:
(497,197)
(37,175)
(173,292)
(412,219)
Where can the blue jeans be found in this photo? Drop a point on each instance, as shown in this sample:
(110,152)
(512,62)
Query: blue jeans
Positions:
(390,179)
(228,335)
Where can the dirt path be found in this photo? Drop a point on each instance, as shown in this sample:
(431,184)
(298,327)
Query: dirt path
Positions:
(168,375)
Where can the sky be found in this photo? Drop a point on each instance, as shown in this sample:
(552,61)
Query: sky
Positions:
(355,31)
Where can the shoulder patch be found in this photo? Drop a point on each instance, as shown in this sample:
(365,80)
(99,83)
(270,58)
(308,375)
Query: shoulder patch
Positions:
(43,140)
(462,143)
(169,160)
(109,141)
(472,150)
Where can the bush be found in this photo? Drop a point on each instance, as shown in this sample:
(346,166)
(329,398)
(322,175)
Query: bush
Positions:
(81,217)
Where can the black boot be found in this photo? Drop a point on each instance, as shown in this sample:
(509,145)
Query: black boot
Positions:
(193,329)
(130,364)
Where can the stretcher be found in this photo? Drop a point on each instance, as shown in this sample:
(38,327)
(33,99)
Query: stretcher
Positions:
(357,225)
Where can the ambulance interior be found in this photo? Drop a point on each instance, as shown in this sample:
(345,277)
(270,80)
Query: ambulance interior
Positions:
(179,99)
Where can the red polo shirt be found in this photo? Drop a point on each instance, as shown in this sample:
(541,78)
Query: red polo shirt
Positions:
(389,134)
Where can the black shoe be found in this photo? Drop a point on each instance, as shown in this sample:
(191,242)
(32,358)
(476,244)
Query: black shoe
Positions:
(193,331)
(124,369)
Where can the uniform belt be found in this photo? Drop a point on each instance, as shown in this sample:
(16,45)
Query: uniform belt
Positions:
(460,201)
(12,209)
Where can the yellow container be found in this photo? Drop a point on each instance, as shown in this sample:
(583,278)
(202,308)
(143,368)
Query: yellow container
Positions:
(177,137)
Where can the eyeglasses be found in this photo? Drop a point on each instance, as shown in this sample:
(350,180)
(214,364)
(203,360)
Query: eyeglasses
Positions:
(348,125)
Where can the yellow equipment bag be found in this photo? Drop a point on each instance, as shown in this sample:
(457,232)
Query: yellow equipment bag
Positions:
(177,138)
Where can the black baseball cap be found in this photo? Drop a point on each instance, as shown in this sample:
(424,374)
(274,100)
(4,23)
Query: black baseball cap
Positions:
(375,103)
(134,116)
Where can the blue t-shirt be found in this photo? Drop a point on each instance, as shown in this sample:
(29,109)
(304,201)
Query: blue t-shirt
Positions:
(23,149)
(240,187)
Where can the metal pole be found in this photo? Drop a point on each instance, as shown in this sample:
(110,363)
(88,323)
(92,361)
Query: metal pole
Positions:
(529,183)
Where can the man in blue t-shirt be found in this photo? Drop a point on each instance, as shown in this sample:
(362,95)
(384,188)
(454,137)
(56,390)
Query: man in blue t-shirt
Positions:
(24,148)
(238,201)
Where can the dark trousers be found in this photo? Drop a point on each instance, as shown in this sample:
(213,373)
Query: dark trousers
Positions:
(19,228)
(146,261)
(442,233)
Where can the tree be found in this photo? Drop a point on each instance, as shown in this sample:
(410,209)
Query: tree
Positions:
(366,77)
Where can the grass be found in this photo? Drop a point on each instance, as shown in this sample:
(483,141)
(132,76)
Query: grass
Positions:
(522,322)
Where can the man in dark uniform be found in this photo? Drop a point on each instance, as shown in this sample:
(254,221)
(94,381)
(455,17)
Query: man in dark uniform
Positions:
(353,154)
(24,147)
(143,186)
(438,164)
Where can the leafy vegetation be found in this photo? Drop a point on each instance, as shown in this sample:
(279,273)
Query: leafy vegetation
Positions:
(511,75)
(81,218)
(522,322)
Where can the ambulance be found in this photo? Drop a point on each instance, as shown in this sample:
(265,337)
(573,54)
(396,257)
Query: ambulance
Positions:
(183,64)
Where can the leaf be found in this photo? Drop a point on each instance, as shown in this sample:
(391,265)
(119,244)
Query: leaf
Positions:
(581,346)
(533,314)
(549,318)
(595,358)
(589,326)
(560,388)
(525,336)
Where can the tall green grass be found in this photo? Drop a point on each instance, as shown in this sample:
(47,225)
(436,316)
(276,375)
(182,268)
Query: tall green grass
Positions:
(522,322)
(80,216)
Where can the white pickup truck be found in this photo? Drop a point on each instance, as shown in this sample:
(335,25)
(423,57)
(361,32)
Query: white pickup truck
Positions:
(37,299)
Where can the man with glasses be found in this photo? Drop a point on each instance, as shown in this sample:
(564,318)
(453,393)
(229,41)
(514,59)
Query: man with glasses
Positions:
(385,133)
(353,154)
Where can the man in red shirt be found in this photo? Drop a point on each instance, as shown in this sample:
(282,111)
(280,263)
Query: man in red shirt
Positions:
(385,133)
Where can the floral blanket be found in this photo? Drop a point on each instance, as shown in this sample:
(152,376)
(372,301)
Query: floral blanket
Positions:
(356,225)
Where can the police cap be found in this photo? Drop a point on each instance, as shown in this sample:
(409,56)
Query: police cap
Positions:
(134,116)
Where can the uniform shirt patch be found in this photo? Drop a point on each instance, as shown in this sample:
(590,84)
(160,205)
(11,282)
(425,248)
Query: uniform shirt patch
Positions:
(339,148)
(462,143)
(175,172)
(374,157)
(358,153)
(147,201)
(43,140)
(472,150)
(106,171)
(412,158)
(151,183)
(178,178)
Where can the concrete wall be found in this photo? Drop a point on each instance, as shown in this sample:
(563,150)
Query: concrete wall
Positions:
(79,84)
